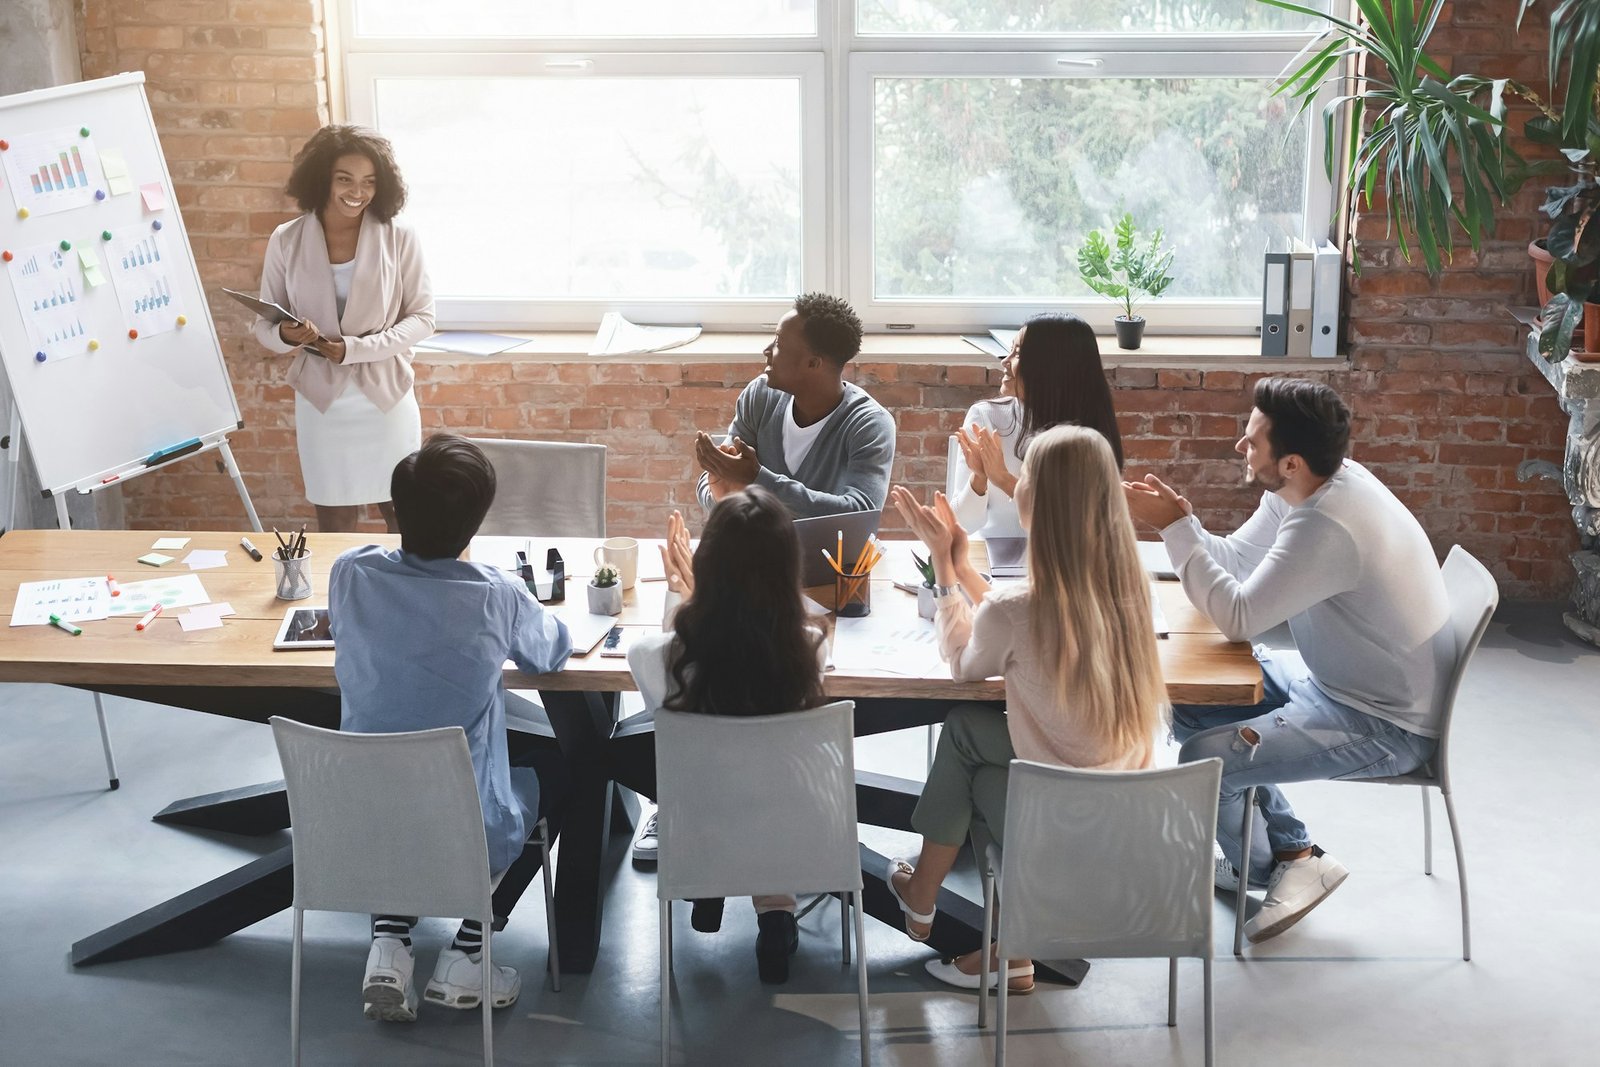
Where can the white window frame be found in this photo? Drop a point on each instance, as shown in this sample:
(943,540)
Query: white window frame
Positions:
(835,67)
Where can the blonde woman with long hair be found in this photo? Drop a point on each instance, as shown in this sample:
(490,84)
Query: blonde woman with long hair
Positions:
(1074,642)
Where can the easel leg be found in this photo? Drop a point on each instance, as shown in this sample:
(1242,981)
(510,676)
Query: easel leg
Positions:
(63,520)
(14,458)
(238,481)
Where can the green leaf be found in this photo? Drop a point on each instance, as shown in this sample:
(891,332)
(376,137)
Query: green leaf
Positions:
(1561,317)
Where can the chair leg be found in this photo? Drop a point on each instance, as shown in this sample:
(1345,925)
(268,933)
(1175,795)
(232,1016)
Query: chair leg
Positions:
(861,982)
(1210,1014)
(1002,986)
(294,988)
(844,928)
(1243,894)
(105,743)
(488,991)
(988,928)
(549,907)
(933,741)
(666,982)
(1427,832)
(1172,991)
(1461,874)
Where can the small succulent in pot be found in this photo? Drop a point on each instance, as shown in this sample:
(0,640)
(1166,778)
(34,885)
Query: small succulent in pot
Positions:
(925,568)
(606,576)
(605,592)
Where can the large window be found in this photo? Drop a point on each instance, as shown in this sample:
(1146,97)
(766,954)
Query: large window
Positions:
(938,162)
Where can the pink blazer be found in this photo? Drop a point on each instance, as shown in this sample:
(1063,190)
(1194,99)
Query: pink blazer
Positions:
(390,308)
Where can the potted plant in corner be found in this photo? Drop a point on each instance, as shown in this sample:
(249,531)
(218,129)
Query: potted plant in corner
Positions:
(925,604)
(1127,273)
(605,592)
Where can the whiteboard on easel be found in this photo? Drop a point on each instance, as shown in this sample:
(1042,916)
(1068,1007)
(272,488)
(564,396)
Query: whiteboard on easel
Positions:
(105,333)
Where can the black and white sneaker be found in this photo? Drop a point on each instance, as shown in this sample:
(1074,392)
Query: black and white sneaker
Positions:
(1226,877)
(646,845)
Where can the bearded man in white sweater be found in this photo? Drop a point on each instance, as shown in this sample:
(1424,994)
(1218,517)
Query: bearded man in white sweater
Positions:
(1333,553)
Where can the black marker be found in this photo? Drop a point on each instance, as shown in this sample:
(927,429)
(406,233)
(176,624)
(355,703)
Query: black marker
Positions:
(255,553)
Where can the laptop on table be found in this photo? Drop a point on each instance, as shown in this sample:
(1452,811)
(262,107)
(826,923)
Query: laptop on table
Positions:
(823,532)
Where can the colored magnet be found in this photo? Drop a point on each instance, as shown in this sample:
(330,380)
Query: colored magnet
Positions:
(133,335)
(66,246)
(105,235)
(156,225)
(183,320)
(4,145)
(94,346)
(99,194)
(83,131)
(22,212)
(38,357)
(6,255)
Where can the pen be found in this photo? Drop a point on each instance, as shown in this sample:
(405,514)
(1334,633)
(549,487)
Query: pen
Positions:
(111,584)
(255,553)
(149,618)
(906,587)
(60,624)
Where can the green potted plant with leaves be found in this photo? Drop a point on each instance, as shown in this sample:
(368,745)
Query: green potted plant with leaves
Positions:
(925,605)
(605,592)
(1130,272)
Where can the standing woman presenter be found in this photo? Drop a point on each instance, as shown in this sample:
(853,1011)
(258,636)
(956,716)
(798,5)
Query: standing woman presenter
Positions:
(355,279)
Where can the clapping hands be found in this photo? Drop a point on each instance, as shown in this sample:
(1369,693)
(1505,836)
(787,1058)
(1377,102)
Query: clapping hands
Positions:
(984,452)
(677,558)
(937,528)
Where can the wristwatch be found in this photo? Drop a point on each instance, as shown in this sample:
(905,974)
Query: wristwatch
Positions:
(942,591)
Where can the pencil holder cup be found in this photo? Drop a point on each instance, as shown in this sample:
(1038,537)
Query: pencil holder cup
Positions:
(293,576)
(852,595)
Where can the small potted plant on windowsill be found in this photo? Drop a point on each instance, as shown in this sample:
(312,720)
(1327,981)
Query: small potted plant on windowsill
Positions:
(925,604)
(1127,273)
(605,592)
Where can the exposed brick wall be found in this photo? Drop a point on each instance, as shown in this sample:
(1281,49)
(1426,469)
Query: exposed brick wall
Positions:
(1446,404)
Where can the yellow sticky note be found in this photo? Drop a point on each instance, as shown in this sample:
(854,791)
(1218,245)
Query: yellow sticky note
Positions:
(119,184)
(113,164)
(91,268)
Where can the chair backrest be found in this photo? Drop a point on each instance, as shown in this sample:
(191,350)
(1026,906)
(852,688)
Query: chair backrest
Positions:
(1473,596)
(1108,863)
(385,823)
(759,805)
(546,488)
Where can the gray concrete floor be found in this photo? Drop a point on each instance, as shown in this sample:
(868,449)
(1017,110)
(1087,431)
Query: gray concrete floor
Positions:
(1374,975)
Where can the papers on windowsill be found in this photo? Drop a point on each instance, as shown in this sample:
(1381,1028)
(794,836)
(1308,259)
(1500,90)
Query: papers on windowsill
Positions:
(205,559)
(468,343)
(908,647)
(619,337)
(70,599)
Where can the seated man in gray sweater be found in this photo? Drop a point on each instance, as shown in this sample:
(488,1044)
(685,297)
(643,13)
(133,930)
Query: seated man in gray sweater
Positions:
(818,443)
(1335,554)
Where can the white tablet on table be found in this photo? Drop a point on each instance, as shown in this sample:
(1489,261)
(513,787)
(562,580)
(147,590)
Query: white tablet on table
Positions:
(304,627)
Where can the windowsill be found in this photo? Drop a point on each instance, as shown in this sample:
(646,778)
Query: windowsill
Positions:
(1172,351)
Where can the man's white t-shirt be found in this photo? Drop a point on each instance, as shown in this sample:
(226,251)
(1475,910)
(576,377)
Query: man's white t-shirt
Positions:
(797,440)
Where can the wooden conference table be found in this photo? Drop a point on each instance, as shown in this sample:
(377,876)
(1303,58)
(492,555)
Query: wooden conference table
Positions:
(233,671)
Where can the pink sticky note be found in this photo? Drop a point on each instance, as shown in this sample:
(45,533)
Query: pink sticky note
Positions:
(155,198)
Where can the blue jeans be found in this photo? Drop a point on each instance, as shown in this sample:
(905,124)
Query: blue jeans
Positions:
(1304,736)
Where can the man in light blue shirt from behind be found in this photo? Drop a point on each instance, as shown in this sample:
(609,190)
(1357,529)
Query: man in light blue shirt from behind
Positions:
(422,637)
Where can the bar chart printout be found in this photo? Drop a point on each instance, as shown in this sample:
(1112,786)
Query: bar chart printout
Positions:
(51,170)
(47,284)
(141,269)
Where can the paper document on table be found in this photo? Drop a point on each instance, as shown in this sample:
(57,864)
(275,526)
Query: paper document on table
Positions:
(204,559)
(899,646)
(619,337)
(1158,615)
(1157,563)
(178,591)
(69,599)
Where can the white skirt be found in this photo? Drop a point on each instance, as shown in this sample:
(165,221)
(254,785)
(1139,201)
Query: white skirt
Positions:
(348,453)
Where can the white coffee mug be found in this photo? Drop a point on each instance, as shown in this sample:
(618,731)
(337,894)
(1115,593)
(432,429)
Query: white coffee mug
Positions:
(623,554)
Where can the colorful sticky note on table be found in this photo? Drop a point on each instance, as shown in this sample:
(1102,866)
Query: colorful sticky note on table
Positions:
(90,262)
(203,559)
(155,197)
(169,543)
(116,171)
(155,559)
(195,619)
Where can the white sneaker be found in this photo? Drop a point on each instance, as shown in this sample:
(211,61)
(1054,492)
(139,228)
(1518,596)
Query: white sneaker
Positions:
(646,845)
(457,982)
(1295,888)
(388,992)
(1226,877)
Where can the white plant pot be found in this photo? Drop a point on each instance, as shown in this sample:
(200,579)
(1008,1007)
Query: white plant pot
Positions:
(925,605)
(605,599)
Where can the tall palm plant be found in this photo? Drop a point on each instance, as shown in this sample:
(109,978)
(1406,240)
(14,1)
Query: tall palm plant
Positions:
(1412,127)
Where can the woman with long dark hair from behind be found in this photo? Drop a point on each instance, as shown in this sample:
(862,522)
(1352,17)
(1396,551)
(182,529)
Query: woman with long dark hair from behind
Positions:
(1074,642)
(738,644)
(1053,376)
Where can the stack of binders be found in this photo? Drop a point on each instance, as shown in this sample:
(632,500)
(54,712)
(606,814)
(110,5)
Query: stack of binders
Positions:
(1300,300)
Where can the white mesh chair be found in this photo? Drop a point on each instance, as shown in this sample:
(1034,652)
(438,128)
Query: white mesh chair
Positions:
(388,824)
(757,806)
(546,488)
(1104,864)
(1473,597)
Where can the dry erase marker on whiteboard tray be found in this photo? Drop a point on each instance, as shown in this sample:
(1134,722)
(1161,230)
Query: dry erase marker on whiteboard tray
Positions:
(61,624)
(150,617)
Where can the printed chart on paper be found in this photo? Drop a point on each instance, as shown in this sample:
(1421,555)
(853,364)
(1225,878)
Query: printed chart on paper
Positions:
(53,170)
(45,280)
(141,270)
